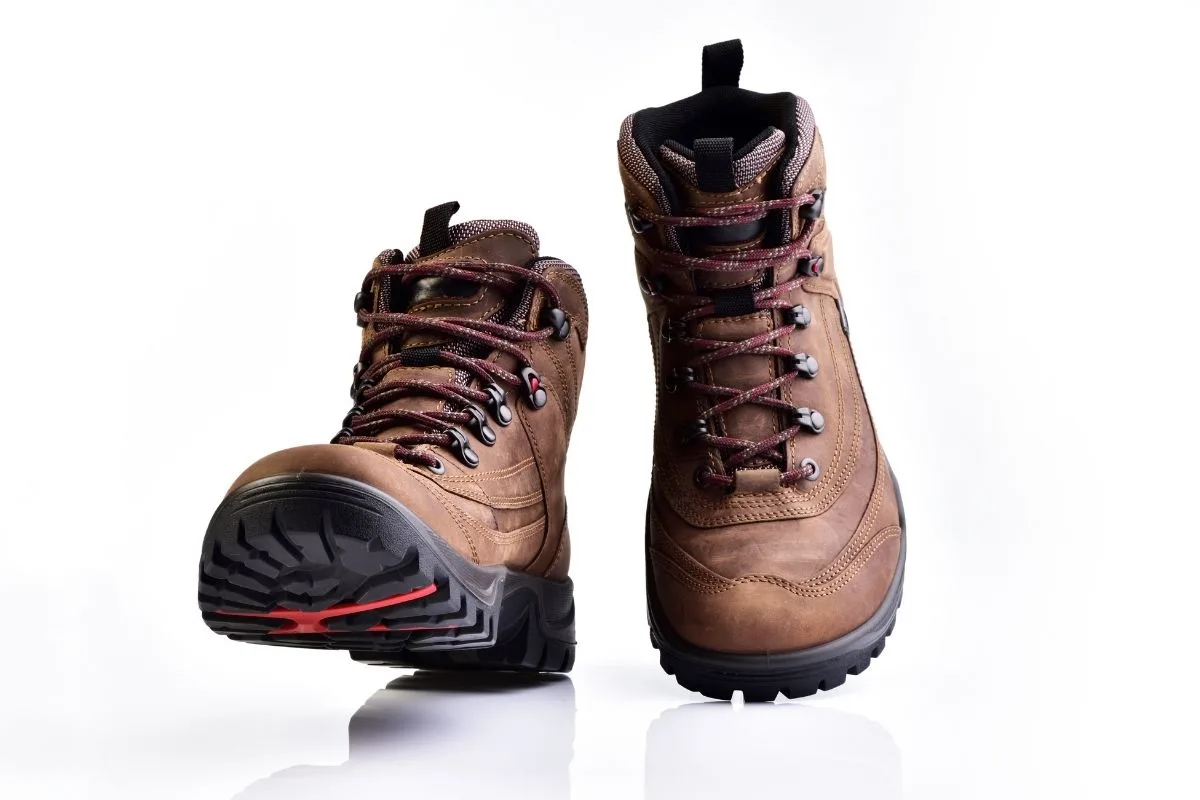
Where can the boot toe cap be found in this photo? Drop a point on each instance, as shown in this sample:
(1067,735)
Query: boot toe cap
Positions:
(763,613)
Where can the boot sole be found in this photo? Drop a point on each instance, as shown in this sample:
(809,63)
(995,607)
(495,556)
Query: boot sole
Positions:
(796,673)
(325,562)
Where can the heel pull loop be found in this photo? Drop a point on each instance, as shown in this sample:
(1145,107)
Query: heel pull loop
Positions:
(721,64)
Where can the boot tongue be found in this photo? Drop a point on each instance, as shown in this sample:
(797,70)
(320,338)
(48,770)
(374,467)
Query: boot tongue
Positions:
(711,172)
(500,241)
(713,165)
(486,240)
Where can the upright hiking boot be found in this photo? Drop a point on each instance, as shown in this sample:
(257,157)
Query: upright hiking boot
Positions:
(775,534)
(432,531)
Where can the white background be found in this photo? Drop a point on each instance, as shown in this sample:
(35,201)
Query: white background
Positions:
(191,193)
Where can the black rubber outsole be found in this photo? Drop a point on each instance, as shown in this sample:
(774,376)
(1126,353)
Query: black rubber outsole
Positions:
(762,678)
(325,562)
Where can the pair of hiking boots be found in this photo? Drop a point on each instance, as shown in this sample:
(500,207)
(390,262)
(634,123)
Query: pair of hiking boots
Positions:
(432,531)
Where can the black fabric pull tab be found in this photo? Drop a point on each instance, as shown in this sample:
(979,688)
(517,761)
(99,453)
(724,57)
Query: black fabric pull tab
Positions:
(721,64)
(435,232)
(714,165)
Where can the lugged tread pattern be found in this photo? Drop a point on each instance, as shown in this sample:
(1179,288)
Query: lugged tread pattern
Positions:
(269,566)
(520,645)
(829,675)
(305,543)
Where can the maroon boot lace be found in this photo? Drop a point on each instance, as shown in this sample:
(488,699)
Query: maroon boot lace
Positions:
(688,309)
(470,343)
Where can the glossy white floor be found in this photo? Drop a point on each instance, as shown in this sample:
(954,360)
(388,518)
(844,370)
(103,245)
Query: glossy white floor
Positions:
(190,194)
(100,707)
(256,723)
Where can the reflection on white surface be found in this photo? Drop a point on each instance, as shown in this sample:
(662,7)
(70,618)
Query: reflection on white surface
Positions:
(512,736)
(505,735)
(718,750)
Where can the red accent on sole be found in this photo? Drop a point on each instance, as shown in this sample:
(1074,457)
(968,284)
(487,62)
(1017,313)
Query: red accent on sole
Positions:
(404,628)
(314,621)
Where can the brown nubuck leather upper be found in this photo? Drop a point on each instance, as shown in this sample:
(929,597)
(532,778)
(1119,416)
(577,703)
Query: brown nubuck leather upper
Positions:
(477,318)
(764,534)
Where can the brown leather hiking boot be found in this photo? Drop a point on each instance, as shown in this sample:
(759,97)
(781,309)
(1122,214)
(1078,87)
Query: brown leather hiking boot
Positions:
(775,534)
(433,530)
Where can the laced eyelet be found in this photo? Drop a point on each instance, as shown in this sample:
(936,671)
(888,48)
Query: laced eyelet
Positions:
(652,286)
(556,318)
(679,377)
(437,467)
(812,266)
(495,403)
(673,330)
(535,393)
(799,316)
(355,384)
(478,425)
(808,418)
(636,223)
(363,301)
(350,415)
(811,470)
(358,387)
(343,433)
(462,448)
(813,212)
(802,364)
(692,430)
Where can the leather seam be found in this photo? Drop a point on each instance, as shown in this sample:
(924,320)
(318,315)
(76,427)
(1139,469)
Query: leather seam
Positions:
(870,514)
(470,525)
(842,579)
(673,552)
(495,474)
(541,471)
(817,591)
(520,501)
(456,515)
(562,393)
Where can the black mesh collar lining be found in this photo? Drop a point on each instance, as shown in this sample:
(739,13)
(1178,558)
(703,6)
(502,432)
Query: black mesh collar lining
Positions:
(717,111)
